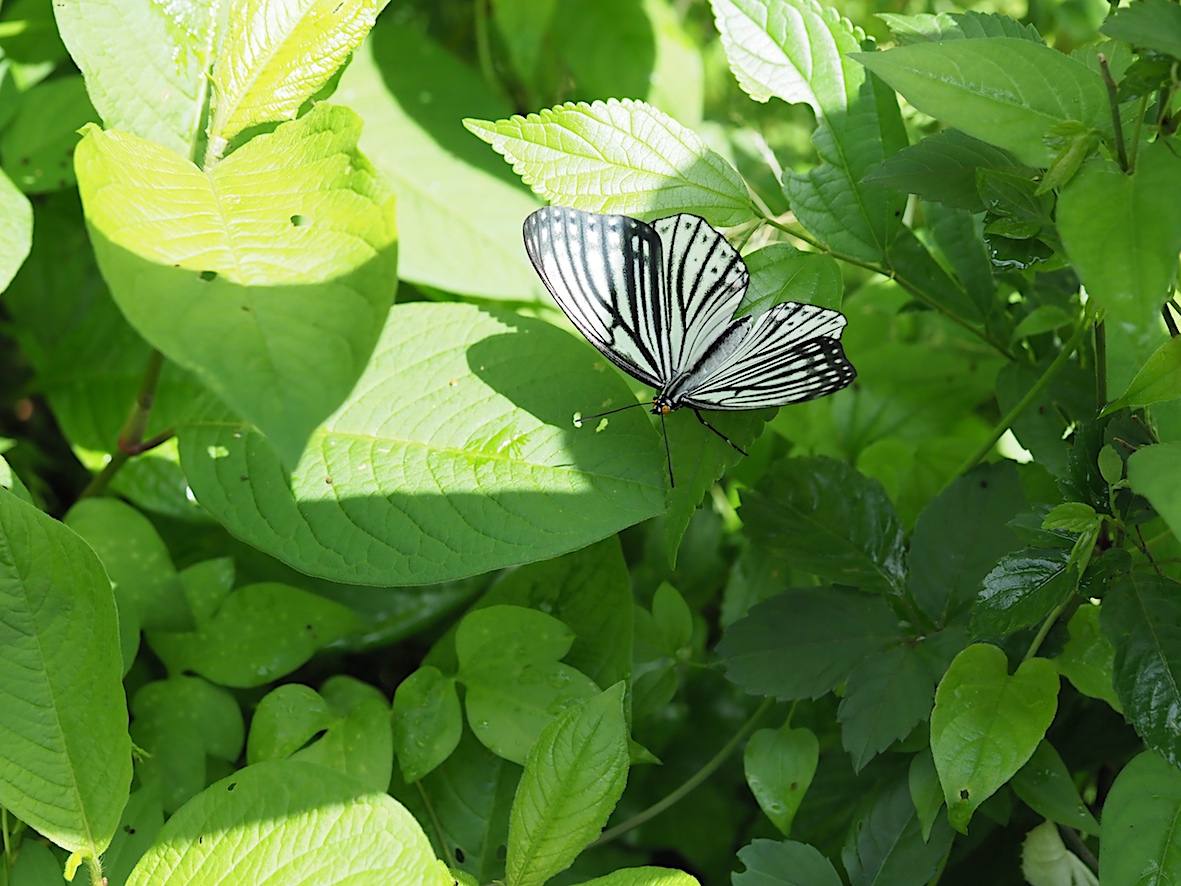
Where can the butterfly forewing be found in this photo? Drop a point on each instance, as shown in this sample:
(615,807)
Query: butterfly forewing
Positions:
(788,354)
(604,272)
(704,279)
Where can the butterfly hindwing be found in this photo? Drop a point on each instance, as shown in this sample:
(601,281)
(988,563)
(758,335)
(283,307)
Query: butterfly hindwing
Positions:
(604,271)
(788,354)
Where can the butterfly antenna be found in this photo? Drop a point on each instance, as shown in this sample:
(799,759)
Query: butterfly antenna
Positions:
(667,453)
(583,418)
(701,419)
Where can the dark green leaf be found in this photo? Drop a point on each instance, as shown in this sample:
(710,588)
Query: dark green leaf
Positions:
(804,642)
(781,272)
(1086,659)
(911,261)
(1141,840)
(886,844)
(958,234)
(825,517)
(1141,616)
(1041,427)
(784,864)
(1045,785)
(886,695)
(1158,379)
(285,720)
(959,537)
(1022,590)
(1148,24)
(942,169)
(779,765)
(925,791)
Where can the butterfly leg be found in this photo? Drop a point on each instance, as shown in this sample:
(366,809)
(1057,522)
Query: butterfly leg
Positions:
(701,419)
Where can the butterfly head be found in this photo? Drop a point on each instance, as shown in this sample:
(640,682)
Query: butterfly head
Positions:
(662,406)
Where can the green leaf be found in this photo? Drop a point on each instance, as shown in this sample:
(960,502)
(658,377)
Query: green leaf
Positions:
(785,863)
(286,247)
(1147,24)
(145,64)
(65,744)
(779,765)
(1046,860)
(1072,516)
(259,633)
(498,476)
(608,47)
(589,591)
(284,721)
(796,50)
(360,743)
(1141,841)
(459,208)
(925,27)
(293,821)
(1158,379)
(672,618)
(206,585)
(510,632)
(1006,91)
(826,517)
(1141,616)
(925,791)
(180,722)
(141,822)
(427,722)
(646,876)
(147,589)
(1044,784)
(16,229)
(886,695)
(959,536)
(1155,473)
(886,845)
(1122,232)
(273,59)
(804,642)
(1044,318)
(38,146)
(1087,658)
(523,25)
(10,481)
(619,156)
(1024,588)
(941,169)
(574,776)
(781,272)
(986,725)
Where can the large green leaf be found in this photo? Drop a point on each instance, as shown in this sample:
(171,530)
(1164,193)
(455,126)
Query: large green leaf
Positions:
(360,742)
(459,209)
(1087,657)
(1024,588)
(1141,841)
(573,778)
(1005,91)
(38,145)
(779,766)
(987,724)
(788,863)
(1158,379)
(427,721)
(619,156)
(291,821)
(1141,616)
(145,63)
(1045,785)
(453,456)
(1147,24)
(797,50)
(959,536)
(65,754)
(16,229)
(240,274)
(886,695)
(1155,473)
(274,57)
(1123,232)
(804,642)
(826,517)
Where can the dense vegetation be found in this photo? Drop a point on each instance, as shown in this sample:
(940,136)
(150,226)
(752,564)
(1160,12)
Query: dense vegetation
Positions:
(307,572)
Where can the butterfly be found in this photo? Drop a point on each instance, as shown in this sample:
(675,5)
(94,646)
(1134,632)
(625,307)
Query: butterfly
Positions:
(658,301)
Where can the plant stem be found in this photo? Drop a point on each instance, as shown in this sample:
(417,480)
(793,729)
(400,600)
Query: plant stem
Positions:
(1116,124)
(1023,404)
(1101,364)
(1140,112)
(697,778)
(484,45)
(1043,630)
(1078,847)
(131,436)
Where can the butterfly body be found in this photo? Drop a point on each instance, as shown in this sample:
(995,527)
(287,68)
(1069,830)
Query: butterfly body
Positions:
(658,300)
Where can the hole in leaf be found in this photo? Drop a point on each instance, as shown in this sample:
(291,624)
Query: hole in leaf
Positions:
(459,855)
(208,276)
(299,221)
(964,794)
(232,785)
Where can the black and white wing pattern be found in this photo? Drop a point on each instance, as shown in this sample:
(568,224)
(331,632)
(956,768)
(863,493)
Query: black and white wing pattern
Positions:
(604,271)
(789,354)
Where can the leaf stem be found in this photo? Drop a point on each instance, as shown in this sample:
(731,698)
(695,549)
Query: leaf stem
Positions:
(1078,847)
(131,436)
(1040,385)
(696,779)
(1043,630)
(1116,124)
(1101,364)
